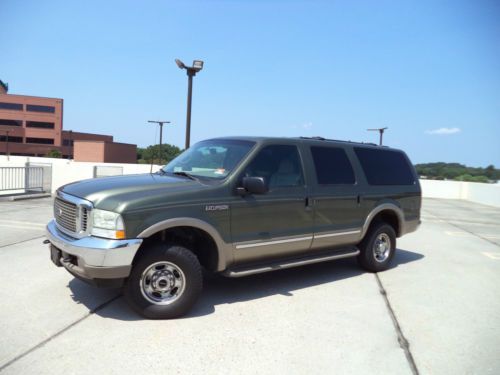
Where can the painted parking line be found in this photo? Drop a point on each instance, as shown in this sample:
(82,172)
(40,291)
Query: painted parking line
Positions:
(20,226)
(466,234)
(457,234)
(495,256)
(24,223)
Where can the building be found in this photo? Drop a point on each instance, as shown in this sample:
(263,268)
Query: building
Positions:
(33,126)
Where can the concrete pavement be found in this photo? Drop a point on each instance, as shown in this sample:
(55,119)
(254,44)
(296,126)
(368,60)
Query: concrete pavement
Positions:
(441,296)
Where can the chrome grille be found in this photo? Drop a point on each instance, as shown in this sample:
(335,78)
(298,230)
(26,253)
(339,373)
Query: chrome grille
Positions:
(65,214)
(85,216)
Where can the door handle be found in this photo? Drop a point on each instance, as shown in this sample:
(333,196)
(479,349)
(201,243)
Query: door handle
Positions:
(358,199)
(309,203)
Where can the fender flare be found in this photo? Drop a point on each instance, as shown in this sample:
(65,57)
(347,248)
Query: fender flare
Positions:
(384,207)
(223,249)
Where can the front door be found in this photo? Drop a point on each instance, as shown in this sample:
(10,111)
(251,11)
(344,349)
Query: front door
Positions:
(278,223)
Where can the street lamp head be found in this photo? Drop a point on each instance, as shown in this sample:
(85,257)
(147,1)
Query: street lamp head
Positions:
(180,64)
(198,65)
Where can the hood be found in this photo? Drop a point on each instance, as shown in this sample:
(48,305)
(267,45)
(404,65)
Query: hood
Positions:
(117,192)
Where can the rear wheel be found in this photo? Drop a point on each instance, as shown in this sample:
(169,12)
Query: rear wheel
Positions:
(377,248)
(165,282)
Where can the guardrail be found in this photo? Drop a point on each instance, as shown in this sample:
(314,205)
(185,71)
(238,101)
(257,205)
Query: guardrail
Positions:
(21,178)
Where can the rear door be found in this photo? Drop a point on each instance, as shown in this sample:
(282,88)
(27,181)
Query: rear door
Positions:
(338,213)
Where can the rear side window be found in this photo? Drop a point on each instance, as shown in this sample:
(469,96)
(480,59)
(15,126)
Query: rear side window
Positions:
(332,166)
(385,167)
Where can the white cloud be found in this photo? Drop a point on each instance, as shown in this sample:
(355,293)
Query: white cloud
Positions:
(305,126)
(443,131)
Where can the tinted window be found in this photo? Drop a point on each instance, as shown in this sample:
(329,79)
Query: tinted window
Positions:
(67,142)
(40,124)
(332,166)
(14,106)
(385,167)
(6,122)
(279,165)
(3,138)
(40,108)
(43,141)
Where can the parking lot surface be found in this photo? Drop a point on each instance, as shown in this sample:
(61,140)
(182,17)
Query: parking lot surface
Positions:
(436,311)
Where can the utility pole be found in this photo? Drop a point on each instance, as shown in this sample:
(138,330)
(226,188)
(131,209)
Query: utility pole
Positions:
(381,131)
(160,123)
(7,144)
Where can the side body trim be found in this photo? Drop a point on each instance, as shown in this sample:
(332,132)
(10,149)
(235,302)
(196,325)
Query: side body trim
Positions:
(337,234)
(267,243)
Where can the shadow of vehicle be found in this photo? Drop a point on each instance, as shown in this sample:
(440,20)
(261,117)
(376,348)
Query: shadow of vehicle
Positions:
(220,290)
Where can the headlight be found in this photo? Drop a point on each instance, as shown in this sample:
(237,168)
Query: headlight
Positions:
(107,224)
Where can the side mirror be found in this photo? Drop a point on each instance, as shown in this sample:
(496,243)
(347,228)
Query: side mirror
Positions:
(253,185)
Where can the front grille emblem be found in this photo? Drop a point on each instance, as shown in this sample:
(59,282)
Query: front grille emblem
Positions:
(60,212)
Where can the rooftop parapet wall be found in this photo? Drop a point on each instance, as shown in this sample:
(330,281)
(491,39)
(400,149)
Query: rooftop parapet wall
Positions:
(488,194)
(65,171)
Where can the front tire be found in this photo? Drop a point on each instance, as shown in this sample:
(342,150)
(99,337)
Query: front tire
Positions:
(377,248)
(165,282)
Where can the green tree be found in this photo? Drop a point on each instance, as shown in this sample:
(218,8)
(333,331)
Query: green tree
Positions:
(54,154)
(163,156)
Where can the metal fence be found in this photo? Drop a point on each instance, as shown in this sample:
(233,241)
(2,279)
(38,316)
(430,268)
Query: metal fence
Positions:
(21,178)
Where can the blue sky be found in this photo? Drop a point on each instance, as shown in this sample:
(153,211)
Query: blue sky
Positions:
(429,70)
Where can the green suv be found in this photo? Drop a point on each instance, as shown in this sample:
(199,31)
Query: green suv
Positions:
(235,206)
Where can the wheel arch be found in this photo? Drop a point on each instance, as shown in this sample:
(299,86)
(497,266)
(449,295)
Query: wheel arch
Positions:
(388,212)
(202,228)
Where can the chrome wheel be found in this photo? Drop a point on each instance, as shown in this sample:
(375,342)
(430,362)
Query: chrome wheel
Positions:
(162,283)
(382,247)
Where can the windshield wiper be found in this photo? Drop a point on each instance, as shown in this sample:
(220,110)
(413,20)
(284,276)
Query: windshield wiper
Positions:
(185,174)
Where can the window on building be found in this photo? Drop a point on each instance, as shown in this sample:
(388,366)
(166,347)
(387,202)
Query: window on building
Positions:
(67,142)
(279,165)
(6,122)
(42,141)
(40,108)
(40,124)
(11,106)
(385,167)
(332,166)
(3,138)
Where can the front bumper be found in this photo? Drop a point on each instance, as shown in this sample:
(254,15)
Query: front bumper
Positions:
(92,258)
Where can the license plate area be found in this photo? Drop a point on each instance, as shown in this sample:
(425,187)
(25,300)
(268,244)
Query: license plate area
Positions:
(55,255)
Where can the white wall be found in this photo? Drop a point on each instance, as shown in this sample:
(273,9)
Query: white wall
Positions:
(488,194)
(66,171)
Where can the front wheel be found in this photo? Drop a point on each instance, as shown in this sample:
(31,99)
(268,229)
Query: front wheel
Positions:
(377,248)
(165,282)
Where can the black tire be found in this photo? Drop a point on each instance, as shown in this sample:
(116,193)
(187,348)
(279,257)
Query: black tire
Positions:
(370,256)
(164,266)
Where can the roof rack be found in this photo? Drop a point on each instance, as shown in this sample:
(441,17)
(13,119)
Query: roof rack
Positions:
(317,138)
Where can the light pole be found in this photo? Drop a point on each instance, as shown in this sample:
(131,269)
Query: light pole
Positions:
(161,123)
(191,72)
(381,131)
(7,144)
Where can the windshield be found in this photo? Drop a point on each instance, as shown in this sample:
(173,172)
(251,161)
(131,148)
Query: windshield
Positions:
(213,159)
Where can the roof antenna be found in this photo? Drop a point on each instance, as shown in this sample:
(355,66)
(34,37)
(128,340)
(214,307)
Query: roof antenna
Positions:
(381,131)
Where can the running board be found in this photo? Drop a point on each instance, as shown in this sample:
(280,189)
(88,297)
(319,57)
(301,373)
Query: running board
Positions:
(281,265)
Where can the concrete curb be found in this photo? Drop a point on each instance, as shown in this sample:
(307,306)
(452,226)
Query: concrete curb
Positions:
(11,198)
